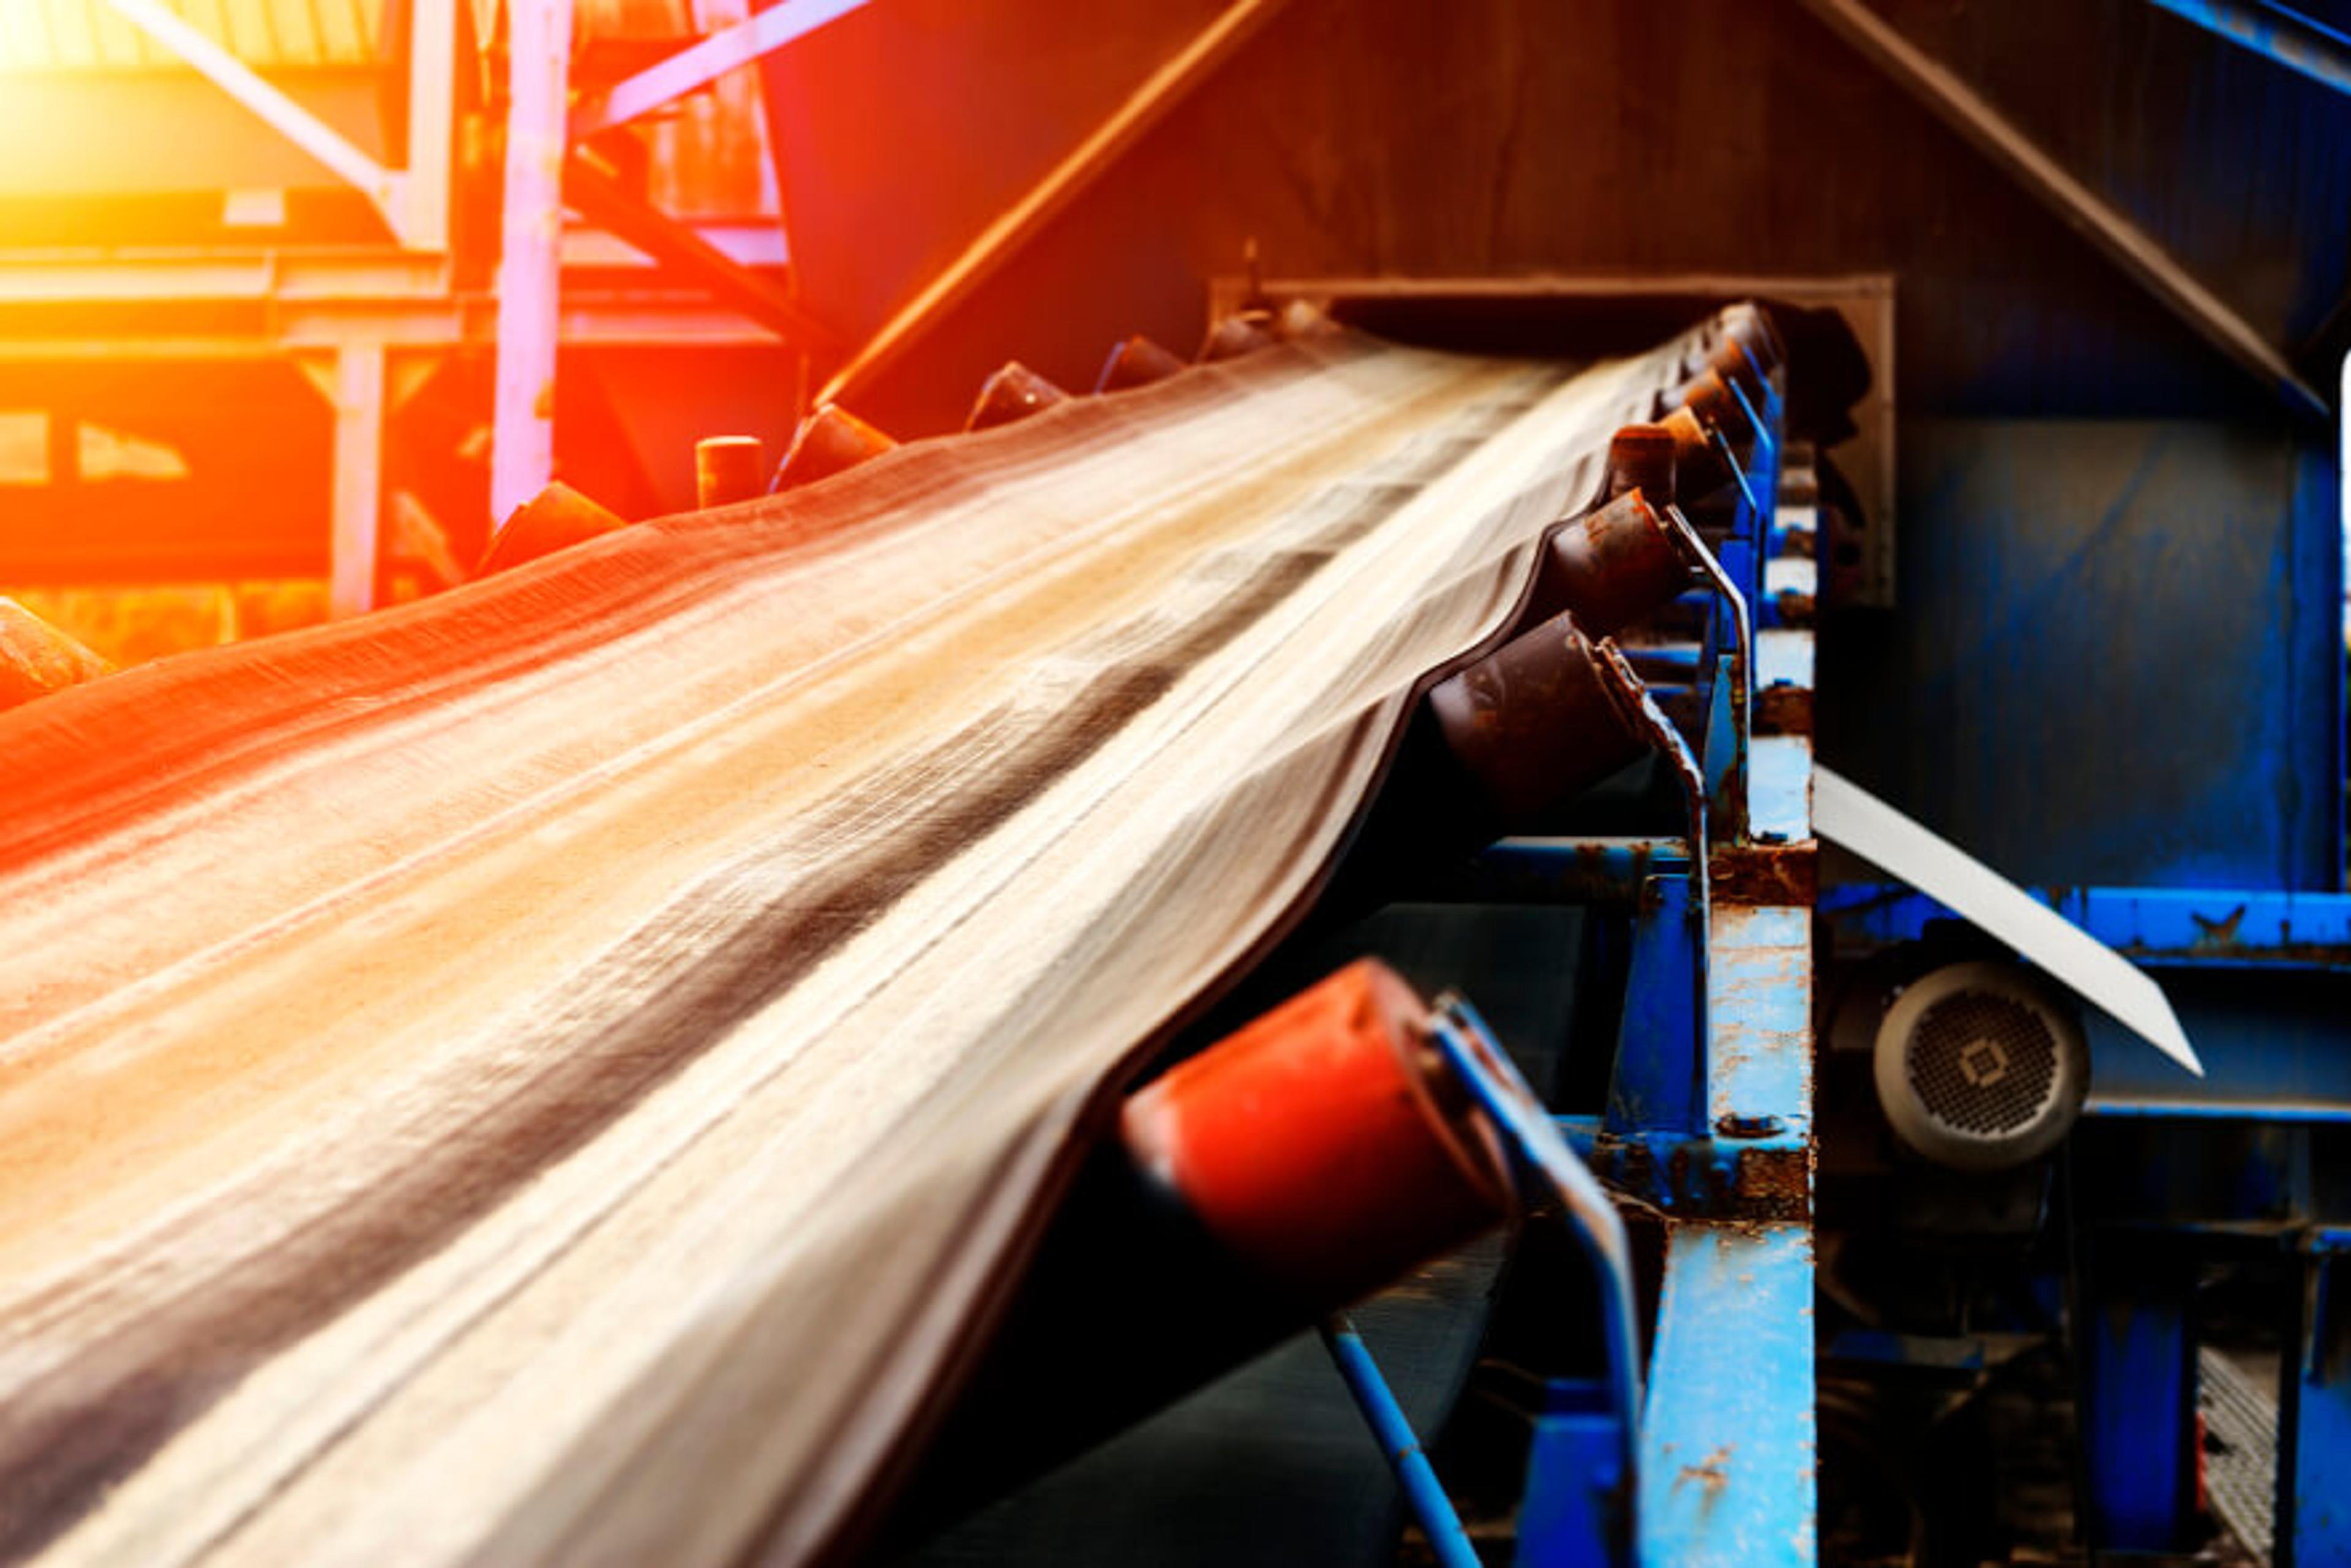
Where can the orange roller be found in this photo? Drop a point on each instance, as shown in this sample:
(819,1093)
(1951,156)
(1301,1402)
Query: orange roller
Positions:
(36,659)
(554,519)
(1016,392)
(1323,1145)
(727,470)
(830,441)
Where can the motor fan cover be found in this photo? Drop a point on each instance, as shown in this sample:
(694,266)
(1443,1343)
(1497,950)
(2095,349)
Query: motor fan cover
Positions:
(1981,1066)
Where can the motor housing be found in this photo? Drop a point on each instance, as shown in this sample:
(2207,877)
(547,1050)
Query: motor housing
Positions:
(1981,1066)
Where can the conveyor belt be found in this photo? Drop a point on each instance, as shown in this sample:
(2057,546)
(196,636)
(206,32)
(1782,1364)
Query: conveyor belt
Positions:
(549,1073)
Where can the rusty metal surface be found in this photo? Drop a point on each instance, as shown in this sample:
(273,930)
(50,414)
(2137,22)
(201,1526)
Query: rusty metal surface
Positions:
(548,1073)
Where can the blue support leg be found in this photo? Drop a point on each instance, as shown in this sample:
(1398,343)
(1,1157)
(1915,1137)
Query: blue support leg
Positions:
(1423,1493)
(2314,1527)
(2138,1354)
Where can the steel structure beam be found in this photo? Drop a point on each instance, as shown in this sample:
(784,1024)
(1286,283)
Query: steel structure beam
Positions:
(424,188)
(1166,87)
(2130,248)
(358,399)
(599,197)
(699,65)
(2301,44)
(522,451)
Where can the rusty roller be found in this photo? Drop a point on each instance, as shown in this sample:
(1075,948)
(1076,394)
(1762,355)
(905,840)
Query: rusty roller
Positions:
(727,470)
(1748,348)
(1300,1163)
(1014,392)
(556,518)
(1711,398)
(1700,469)
(1137,361)
(1243,332)
(1299,319)
(1533,721)
(830,441)
(36,658)
(1614,566)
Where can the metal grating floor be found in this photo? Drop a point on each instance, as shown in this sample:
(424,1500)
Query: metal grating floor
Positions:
(2239,1449)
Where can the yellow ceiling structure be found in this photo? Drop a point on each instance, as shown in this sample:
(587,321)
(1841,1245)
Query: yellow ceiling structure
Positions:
(87,34)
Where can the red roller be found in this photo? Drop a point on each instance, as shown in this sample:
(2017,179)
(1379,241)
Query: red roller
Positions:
(1322,1145)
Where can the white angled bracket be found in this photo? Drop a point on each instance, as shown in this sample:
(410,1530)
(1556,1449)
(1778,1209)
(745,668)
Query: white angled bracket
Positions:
(1845,813)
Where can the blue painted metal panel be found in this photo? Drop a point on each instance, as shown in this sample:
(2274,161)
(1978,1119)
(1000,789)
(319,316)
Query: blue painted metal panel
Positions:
(1657,1078)
(2117,659)
(1575,1477)
(1759,1001)
(1728,1440)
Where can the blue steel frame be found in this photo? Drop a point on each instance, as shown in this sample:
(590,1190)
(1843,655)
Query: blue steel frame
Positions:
(1710,1112)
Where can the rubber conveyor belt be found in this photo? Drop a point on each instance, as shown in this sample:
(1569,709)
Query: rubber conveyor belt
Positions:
(548,1073)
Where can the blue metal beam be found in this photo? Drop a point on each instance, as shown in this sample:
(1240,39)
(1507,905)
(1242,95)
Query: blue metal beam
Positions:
(2154,925)
(2301,44)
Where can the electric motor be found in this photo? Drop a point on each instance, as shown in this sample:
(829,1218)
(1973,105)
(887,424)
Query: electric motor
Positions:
(1981,1066)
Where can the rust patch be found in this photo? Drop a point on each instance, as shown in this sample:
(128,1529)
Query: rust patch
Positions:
(1775,1182)
(1784,710)
(1765,873)
(2220,932)
(1713,1472)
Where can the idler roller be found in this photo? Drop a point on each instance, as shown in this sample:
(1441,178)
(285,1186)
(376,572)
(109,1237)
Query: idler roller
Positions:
(1700,469)
(36,658)
(1138,361)
(1244,332)
(1324,1146)
(1711,398)
(1618,564)
(556,518)
(1300,1163)
(830,441)
(727,470)
(1533,721)
(1014,392)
